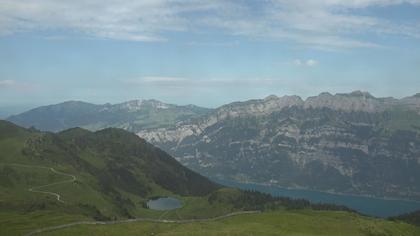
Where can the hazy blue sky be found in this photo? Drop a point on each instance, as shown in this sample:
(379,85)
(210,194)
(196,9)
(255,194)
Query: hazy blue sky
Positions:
(205,52)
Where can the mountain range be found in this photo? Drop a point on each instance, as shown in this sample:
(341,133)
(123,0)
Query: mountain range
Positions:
(133,115)
(350,143)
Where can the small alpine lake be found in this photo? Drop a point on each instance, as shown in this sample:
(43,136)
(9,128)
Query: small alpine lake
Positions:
(366,205)
(164,203)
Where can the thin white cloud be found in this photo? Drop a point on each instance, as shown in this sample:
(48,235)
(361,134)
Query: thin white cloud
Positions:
(329,24)
(324,25)
(159,81)
(7,83)
(309,62)
(179,82)
(115,19)
(151,79)
(297,62)
(214,44)
(14,85)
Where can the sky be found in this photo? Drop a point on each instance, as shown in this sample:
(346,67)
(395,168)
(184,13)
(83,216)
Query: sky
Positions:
(205,52)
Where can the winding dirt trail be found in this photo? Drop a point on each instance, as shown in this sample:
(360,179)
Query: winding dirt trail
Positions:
(58,227)
(73,178)
(36,188)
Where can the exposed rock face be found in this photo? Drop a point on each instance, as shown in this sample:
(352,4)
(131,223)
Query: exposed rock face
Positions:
(138,105)
(349,143)
(355,101)
(412,102)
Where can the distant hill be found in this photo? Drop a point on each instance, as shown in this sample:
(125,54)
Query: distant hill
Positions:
(133,115)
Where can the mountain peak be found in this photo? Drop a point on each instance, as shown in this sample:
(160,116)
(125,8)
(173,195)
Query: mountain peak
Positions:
(354,101)
(72,102)
(325,94)
(271,97)
(359,93)
(132,105)
(139,104)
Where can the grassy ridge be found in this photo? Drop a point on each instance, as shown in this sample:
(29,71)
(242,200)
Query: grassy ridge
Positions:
(116,173)
(14,222)
(113,168)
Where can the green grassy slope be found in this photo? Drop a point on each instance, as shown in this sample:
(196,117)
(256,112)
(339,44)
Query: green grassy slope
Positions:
(291,223)
(412,218)
(116,173)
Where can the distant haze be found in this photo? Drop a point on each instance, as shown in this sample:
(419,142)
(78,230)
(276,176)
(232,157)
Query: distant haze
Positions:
(6,111)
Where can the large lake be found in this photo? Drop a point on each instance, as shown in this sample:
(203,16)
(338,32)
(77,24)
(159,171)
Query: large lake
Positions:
(366,205)
(164,204)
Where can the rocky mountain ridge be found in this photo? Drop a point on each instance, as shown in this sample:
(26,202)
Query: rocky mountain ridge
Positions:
(348,143)
(356,101)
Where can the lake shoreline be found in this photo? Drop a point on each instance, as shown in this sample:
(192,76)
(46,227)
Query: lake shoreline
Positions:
(367,205)
(320,191)
(164,203)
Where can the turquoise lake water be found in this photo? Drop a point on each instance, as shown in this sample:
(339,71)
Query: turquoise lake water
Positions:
(367,205)
(164,204)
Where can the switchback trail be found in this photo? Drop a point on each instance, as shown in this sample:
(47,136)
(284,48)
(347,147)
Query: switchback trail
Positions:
(57,227)
(73,178)
(36,188)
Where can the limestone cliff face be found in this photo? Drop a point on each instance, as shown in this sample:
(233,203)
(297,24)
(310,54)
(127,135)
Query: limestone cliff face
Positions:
(353,102)
(349,143)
